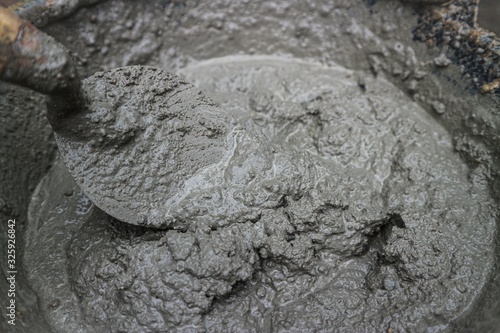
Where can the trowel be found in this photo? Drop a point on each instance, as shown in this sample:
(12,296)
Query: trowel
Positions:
(112,132)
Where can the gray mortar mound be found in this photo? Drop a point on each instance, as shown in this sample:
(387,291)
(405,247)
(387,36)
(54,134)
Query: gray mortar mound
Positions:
(140,136)
(337,207)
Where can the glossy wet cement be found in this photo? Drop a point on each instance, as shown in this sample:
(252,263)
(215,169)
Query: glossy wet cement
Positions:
(330,201)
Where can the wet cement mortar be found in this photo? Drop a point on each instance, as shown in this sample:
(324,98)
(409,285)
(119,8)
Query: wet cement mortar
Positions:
(378,281)
(142,139)
(322,203)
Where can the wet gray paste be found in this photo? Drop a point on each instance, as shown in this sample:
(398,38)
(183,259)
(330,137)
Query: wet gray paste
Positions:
(337,205)
(142,141)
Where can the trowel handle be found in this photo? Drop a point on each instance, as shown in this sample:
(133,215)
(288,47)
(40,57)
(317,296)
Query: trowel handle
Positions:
(33,59)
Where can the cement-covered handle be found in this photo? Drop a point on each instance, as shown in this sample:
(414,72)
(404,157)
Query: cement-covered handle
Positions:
(33,59)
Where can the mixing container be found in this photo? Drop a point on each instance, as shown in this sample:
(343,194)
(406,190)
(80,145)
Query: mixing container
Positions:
(433,51)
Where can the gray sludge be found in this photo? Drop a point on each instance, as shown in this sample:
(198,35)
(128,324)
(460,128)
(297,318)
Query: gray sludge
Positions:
(312,202)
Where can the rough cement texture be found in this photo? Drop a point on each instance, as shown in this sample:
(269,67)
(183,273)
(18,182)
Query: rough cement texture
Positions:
(368,35)
(340,214)
(41,12)
(141,136)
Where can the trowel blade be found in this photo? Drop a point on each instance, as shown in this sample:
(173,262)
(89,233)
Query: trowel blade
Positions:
(140,135)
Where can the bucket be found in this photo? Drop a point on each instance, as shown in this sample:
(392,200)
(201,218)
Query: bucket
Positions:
(432,52)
